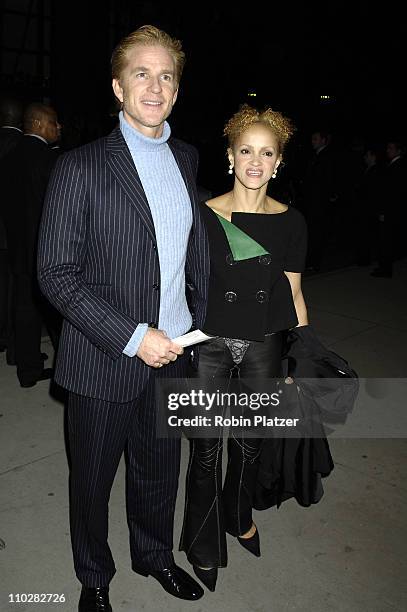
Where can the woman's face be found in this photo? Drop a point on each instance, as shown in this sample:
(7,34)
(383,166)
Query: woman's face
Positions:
(255,156)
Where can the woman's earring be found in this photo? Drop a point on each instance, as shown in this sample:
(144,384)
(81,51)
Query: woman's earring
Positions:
(274,173)
(230,171)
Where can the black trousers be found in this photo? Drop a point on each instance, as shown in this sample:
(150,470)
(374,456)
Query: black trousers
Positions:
(99,432)
(210,510)
(31,310)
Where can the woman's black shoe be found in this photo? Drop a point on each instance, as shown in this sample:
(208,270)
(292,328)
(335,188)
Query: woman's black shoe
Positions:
(251,544)
(207,576)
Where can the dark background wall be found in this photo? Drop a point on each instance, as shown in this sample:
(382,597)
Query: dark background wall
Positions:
(291,56)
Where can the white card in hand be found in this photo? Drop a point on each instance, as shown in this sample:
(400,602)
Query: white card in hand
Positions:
(193,337)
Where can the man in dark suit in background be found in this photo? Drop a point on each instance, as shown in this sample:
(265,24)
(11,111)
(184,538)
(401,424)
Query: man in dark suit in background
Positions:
(11,123)
(392,212)
(120,234)
(24,179)
(369,193)
(320,191)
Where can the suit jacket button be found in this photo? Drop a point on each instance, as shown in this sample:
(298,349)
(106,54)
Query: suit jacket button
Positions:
(152,324)
(229,260)
(230,296)
(156,286)
(265,260)
(261,296)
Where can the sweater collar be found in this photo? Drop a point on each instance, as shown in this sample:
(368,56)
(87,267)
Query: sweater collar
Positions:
(137,141)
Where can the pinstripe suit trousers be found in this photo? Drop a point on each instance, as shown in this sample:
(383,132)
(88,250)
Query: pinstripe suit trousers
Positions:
(99,432)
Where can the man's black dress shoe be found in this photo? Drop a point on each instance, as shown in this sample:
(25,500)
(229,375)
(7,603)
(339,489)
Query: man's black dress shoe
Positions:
(46,374)
(175,581)
(94,600)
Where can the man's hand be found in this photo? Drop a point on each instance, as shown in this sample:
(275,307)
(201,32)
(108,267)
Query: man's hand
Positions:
(157,349)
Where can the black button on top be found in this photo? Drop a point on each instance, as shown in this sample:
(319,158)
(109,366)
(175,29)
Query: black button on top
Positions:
(152,324)
(230,296)
(261,296)
(230,260)
(265,260)
(156,286)
(154,247)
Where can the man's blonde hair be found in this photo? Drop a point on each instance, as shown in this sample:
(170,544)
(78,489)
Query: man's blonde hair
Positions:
(147,35)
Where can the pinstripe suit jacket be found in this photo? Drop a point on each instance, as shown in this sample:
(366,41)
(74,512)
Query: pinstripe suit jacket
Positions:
(98,264)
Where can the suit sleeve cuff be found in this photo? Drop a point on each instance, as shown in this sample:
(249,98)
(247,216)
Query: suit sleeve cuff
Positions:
(133,344)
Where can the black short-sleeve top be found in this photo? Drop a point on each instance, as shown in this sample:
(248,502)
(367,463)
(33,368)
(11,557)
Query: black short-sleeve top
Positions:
(252,297)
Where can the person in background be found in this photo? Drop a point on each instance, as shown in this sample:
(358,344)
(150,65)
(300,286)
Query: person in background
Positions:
(11,123)
(25,175)
(369,194)
(320,192)
(120,234)
(392,212)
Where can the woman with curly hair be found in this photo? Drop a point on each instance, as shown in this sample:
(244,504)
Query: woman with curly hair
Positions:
(257,252)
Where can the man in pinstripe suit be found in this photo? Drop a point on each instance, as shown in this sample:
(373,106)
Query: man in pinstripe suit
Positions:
(121,232)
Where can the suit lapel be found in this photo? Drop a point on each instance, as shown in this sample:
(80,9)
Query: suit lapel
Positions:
(121,163)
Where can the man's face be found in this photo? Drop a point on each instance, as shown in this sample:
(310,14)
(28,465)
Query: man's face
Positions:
(50,127)
(317,141)
(370,158)
(392,150)
(147,88)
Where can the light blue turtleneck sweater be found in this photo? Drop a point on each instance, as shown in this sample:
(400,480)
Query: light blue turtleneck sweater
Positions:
(171,210)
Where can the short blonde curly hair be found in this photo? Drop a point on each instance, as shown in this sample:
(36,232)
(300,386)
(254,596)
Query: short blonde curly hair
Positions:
(246,116)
